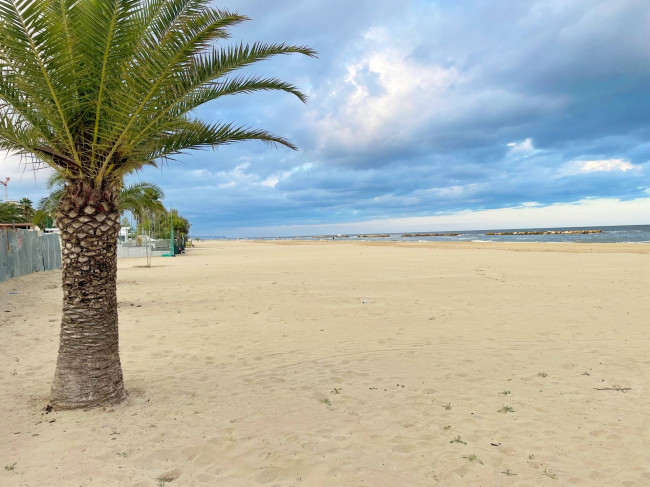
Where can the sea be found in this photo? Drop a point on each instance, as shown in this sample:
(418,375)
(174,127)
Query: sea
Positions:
(606,234)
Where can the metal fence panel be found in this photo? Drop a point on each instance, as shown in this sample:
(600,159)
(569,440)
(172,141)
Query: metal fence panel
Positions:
(24,251)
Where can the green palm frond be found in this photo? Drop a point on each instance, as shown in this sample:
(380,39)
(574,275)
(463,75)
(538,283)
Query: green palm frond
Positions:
(140,198)
(100,88)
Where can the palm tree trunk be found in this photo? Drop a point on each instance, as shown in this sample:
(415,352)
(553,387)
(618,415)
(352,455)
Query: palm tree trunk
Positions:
(88,369)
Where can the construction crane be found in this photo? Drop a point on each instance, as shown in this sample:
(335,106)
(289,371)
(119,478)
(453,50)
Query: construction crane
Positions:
(4,183)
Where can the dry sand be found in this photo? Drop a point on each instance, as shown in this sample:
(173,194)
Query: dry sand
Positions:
(332,363)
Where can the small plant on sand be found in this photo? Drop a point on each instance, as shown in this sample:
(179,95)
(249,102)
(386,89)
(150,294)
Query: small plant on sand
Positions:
(506,409)
(446,427)
(508,472)
(549,474)
(10,468)
(542,374)
(337,390)
(326,401)
(458,440)
(167,478)
(505,393)
(448,406)
(586,373)
(473,458)
(531,456)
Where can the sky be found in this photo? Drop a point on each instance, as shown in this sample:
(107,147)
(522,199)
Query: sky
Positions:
(431,115)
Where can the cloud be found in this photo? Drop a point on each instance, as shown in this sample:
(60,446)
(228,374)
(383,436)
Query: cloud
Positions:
(608,165)
(431,108)
(601,165)
(587,212)
(524,146)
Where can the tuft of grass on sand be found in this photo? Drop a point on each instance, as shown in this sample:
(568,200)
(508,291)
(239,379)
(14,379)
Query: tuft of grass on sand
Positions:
(337,390)
(508,472)
(505,393)
(549,474)
(448,406)
(542,374)
(10,468)
(458,440)
(167,477)
(326,401)
(473,458)
(506,409)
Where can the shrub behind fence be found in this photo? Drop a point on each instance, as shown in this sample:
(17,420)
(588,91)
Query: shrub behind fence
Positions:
(24,251)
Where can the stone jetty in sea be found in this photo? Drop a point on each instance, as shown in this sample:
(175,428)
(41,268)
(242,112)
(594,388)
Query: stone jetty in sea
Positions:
(431,235)
(546,232)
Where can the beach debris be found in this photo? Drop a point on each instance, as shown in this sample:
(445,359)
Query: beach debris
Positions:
(48,409)
(614,388)
(446,427)
(448,406)
(585,373)
(495,444)
(542,374)
(337,390)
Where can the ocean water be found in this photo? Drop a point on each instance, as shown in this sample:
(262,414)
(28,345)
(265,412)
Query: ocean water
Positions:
(609,234)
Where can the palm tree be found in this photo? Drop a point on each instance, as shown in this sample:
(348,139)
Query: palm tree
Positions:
(97,89)
(26,208)
(11,213)
(138,198)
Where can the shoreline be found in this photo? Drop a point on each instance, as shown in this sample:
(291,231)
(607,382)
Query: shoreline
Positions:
(572,247)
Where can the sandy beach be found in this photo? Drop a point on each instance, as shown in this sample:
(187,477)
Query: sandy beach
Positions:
(347,364)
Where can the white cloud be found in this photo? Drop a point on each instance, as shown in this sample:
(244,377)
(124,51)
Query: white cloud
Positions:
(523,146)
(273,180)
(25,177)
(600,165)
(383,94)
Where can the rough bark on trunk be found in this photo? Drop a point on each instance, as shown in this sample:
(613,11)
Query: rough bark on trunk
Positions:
(88,369)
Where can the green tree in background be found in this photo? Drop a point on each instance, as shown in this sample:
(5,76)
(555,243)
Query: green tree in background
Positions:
(11,213)
(97,89)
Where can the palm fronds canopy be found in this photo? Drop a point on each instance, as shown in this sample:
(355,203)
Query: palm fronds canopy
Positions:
(99,88)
